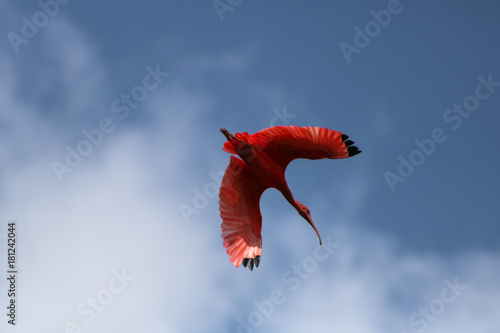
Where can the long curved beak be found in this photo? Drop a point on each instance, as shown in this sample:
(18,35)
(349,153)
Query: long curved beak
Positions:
(309,219)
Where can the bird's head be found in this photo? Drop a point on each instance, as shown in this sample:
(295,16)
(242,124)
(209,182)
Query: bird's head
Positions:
(306,214)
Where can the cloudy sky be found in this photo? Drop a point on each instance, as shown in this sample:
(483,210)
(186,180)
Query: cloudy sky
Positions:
(110,163)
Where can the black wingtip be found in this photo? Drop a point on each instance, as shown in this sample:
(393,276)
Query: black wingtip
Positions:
(251,262)
(353,150)
(348,143)
(245,262)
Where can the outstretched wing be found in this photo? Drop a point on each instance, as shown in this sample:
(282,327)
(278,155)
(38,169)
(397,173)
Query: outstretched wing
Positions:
(286,143)
(239,198)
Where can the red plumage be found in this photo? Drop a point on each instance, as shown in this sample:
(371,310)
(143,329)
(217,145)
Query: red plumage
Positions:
(264,157)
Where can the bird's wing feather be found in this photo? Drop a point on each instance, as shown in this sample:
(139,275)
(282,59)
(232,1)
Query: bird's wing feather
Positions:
(239,198)
(287,143)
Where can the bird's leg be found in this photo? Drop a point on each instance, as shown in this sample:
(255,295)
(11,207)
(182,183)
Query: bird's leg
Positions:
(227,134)
(230,136)
(247,153)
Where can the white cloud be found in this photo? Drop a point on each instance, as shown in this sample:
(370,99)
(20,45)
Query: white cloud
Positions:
(72,66)
(366,286)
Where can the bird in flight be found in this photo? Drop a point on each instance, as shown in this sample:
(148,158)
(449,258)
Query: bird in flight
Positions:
(263,158)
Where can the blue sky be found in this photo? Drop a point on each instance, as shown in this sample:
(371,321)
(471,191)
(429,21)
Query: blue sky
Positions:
(139,91)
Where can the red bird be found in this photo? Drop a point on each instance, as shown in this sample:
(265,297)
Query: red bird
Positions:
(264,157)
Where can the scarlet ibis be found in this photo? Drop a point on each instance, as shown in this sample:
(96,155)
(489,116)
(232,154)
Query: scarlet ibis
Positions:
(263,158)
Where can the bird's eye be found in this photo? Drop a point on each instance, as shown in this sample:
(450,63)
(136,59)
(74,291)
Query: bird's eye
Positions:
(308,212)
